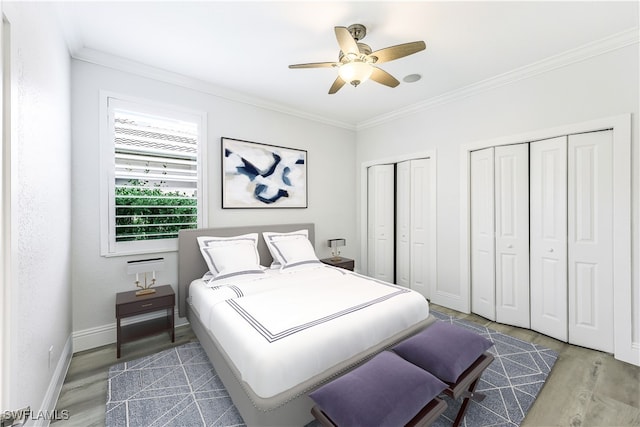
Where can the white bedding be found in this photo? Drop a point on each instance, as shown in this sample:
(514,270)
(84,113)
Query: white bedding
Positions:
(282,328)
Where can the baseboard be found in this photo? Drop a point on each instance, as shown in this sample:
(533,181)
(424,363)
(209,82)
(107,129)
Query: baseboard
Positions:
(94,337)
(41,417)
(98,336)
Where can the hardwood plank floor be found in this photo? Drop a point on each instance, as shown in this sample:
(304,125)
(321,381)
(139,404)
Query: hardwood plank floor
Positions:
(585,387)
(84,392)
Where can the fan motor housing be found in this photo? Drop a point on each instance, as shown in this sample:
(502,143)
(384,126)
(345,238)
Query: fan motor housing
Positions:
(357,31)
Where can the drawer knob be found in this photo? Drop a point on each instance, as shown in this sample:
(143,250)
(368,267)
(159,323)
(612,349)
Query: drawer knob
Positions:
(147,305)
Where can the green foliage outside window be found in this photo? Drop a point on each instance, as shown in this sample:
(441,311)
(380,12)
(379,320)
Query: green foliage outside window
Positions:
(144,213)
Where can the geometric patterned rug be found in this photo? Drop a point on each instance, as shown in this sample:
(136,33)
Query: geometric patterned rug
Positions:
(510,384)
(176,387)
(179,387)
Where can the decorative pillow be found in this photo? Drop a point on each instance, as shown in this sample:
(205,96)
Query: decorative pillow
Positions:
(443,349)
(294,253)
(227,256)
(210,240)
(231,262)
(270,237)
(385,391)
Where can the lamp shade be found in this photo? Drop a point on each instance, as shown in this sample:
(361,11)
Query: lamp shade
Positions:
(355,72)
(334,243)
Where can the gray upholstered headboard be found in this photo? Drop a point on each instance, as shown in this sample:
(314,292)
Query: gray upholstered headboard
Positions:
(191,265)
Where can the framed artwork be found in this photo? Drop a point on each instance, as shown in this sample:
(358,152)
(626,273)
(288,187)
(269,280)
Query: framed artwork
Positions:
(258,175)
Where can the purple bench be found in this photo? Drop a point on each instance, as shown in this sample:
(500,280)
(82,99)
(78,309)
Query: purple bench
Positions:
(401,387)
(454,354)
(385,391)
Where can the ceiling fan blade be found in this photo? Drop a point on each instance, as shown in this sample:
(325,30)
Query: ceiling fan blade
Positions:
(314,65)
(381,76)
(337,84)
(345,41)
(399,51)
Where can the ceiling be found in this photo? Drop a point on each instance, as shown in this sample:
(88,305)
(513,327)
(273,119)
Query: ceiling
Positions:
(243,49)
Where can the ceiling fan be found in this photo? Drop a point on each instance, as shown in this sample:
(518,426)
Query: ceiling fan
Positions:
(357,63)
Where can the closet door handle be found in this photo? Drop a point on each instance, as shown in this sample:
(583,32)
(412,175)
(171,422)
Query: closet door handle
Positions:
(551,250)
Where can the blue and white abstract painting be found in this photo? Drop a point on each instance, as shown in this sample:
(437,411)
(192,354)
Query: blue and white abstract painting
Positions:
(262,176)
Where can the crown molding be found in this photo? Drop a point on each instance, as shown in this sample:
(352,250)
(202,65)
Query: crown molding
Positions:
(590,50)
(122,64)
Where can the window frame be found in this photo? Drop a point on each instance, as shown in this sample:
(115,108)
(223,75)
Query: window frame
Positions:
(108,101)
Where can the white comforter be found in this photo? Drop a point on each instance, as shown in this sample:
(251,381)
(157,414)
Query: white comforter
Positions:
(283,328)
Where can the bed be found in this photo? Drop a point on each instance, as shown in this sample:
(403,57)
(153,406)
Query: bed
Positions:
(269,351)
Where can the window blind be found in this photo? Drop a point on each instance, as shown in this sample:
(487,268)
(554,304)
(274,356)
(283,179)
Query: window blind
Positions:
(156,176)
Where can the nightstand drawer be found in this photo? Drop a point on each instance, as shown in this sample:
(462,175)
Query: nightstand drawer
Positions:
(143,306)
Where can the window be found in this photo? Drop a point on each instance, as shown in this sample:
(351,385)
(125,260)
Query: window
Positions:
(152,156)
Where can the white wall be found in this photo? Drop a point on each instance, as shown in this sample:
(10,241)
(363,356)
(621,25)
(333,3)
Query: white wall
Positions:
(601,86)
(40,253)
(96,279)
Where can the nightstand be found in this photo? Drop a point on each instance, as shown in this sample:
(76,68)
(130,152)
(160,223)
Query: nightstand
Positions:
(346,263)
(128,305)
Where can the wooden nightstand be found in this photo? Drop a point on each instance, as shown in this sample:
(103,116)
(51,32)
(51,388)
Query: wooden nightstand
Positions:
(128,304)
(346,263)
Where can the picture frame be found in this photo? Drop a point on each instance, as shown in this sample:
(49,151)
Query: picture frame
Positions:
(257,175)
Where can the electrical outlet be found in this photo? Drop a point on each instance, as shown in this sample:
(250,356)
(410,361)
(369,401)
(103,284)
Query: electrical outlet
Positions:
(50,356)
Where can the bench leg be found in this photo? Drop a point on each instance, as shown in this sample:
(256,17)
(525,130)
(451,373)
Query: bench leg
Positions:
(465,403)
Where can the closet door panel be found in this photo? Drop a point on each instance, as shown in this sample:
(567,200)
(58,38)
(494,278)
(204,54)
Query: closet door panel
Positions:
(380,222)
(420,221)
(590,249)
(403,223)
(483,234)
(512,234)
(548,235)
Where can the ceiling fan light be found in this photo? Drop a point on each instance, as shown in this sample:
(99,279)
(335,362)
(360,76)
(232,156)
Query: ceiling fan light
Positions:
(355,72)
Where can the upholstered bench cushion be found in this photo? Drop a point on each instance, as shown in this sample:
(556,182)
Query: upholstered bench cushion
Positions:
(385,391)
(443,349)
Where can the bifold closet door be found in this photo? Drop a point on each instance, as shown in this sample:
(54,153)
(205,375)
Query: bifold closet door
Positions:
(500,234)
(413,218)
(512,234)
(403,224)
(421,211)
(571,239)
(590,241)
(380,222)
(548,235)
(483,250)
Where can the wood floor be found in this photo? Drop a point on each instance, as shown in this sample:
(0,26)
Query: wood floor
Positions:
(585,387)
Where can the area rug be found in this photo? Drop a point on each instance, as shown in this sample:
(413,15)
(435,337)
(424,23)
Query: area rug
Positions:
(179,387)
(176,387)
(510,384)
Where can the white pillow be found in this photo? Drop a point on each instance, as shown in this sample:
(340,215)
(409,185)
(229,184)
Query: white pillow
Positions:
(295,253)
(270,237)
(232,261)
(230,254)
(210,240)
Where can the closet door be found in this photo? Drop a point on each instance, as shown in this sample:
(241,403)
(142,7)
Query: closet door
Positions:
(590,240)
(403,224)
(420,277)
(483,234)
(380,222)
(512,234)
(548,235)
